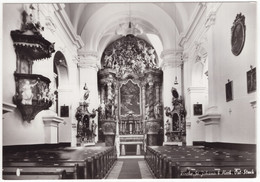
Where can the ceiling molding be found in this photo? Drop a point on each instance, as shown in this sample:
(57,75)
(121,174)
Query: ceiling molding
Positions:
(66,23)
(196,18)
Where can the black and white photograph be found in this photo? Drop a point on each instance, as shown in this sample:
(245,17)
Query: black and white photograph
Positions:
(129,90)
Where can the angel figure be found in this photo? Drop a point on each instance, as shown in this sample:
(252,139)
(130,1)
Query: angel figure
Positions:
(27,94)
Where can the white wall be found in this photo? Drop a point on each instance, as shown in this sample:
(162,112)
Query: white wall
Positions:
(239,126)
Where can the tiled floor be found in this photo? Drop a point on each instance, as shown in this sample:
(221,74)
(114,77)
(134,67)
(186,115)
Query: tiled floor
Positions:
(134,168)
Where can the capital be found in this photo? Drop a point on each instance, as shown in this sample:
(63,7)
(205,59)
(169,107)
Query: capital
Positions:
(210,20)
(88,59)
(171,58)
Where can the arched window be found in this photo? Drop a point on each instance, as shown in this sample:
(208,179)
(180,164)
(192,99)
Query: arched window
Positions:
(60,71)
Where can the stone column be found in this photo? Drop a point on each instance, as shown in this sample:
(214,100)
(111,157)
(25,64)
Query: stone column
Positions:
(88,67)
(171,66)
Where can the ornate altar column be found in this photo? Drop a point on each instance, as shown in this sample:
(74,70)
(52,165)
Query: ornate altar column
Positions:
(171,66)
(109,121)
(88,67)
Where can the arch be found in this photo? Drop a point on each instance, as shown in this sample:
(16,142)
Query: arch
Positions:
(61,78)
(60,66)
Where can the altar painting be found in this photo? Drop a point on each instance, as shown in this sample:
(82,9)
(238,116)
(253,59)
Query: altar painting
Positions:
(130,99)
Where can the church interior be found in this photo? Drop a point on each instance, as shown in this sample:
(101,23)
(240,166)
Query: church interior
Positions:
(129,90)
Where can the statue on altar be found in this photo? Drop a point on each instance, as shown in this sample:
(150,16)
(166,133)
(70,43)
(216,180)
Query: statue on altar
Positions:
(85,129)
(177,115)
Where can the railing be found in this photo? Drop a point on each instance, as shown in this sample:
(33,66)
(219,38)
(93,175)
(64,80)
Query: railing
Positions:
(130,127)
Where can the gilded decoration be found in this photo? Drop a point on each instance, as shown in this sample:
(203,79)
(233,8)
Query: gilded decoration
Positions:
(86,126)
(238,34)
(130,90)
(129,55)
(176,129)
(32,90)
(29,42)
(32,94)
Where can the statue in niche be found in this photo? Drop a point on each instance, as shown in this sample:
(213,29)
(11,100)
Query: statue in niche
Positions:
(93,129)
(158,110)
(27,94)
(110,109)
(168,126)
(102,110)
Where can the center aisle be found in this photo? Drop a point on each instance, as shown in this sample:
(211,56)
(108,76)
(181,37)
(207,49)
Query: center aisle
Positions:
(130,169)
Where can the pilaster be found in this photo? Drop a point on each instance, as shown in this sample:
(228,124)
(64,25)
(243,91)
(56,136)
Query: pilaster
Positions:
(88,67)
(51,127)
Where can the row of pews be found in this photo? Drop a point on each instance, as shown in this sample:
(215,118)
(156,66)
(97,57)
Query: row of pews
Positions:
(200,162)
(59,163)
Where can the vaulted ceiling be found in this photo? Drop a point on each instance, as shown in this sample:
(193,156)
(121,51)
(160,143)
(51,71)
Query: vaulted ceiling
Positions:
(97,23)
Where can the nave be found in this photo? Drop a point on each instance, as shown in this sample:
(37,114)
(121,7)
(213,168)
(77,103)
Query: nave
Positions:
(101,162)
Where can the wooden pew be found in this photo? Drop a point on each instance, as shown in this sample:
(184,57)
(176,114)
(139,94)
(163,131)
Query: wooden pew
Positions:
(93,163)
(161,159)
(34,175)
(73,168)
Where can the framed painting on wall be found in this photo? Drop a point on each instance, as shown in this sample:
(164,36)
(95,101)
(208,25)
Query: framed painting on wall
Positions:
(229,91)
(251,80)
(197,109)
(64,111)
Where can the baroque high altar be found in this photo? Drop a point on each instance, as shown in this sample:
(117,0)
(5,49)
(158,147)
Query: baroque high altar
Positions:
(130,87)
